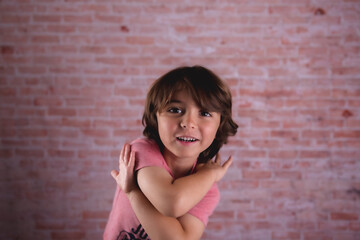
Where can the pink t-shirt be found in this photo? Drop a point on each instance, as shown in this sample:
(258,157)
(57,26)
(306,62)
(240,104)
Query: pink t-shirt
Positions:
(123,223)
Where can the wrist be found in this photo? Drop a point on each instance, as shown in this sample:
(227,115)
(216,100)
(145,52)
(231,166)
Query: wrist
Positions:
(132,193)
(209,172)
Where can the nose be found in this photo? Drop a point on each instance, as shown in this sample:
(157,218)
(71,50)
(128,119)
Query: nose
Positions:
(188,121)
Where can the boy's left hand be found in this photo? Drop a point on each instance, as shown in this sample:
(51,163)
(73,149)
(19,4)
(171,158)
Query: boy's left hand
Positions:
(218,169)
(126,178)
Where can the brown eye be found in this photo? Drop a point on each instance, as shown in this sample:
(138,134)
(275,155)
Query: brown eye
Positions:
(174,110)
(205,114)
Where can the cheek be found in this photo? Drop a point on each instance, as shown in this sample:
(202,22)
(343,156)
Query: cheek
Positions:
(165,126)
(217,124)
(212,130)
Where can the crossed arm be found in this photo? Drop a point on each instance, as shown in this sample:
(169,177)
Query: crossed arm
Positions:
(161,204)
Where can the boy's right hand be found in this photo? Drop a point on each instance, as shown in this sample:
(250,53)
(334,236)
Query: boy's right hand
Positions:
(215,166)
(126,177)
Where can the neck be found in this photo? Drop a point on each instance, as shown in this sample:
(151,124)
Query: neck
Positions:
(180,167)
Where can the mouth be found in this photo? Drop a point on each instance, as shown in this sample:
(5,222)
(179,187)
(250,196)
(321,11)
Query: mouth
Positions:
(187,139)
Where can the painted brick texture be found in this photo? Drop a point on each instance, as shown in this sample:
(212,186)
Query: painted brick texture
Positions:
(73,79)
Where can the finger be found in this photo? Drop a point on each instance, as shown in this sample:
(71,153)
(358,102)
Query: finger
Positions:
(121,155)
(228,162)
(127,154)
(114,174)
(132,160)
(218,158)
(200,164)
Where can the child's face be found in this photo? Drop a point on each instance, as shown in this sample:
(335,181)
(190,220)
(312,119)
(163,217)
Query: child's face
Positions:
(184,128)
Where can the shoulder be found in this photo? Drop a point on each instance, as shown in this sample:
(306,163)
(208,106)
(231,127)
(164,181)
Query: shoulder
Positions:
(144,143)
(147,153)
(145,146)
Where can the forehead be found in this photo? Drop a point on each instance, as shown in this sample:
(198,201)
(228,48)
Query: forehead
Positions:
(188,97)
(181,96)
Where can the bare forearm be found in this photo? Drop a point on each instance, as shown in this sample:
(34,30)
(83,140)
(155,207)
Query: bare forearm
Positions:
(190,190)
(172,197)
(176,197)
(156,225)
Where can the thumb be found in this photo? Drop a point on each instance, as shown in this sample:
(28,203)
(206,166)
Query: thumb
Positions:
(199,166)
(228,162)
(114,174)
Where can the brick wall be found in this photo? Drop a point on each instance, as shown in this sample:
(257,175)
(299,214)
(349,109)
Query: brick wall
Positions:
(73,79)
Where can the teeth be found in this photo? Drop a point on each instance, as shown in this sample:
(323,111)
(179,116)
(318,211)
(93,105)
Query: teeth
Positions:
(187,139)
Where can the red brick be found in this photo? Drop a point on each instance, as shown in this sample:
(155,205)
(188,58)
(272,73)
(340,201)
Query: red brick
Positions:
(5,153)
(95,214)
(283,235)
(47,18)
(278,194)
(284,134)
(67,235)
(283,154)
(93,49)
(63,133)
(63,48)
(78,19)
(96,133)
(128,91)
(80,102)
(256,123)
(29,153)
(47,102)
(50,225)
(140,40)
(256,174)
(344,216)
(277,184)
(110,61)
(354,226)
(7,92)
(45,39)
(329,226)
(64,112)
(61,29)
(252,154)
(32,70)
(317,236)
(265,143)
(314,154)
(346,71)
(90,112)
(61,153)
(17,19)
(303,226)
(346,235)
(288,174)
(223,214)
(315,134)
(63,69)
(116,19)
(131,134)
(93,153)
(347,134)
(33,132)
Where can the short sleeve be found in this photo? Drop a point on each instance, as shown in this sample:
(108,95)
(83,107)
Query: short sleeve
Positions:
(147,153)
(207,205)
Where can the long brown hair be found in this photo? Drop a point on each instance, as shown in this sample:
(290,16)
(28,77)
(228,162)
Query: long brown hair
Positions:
(209,93)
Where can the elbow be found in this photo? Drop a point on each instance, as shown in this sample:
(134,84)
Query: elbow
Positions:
(175,207)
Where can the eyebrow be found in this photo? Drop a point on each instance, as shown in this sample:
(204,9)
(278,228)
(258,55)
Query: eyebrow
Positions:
(174,101)
(178,101)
